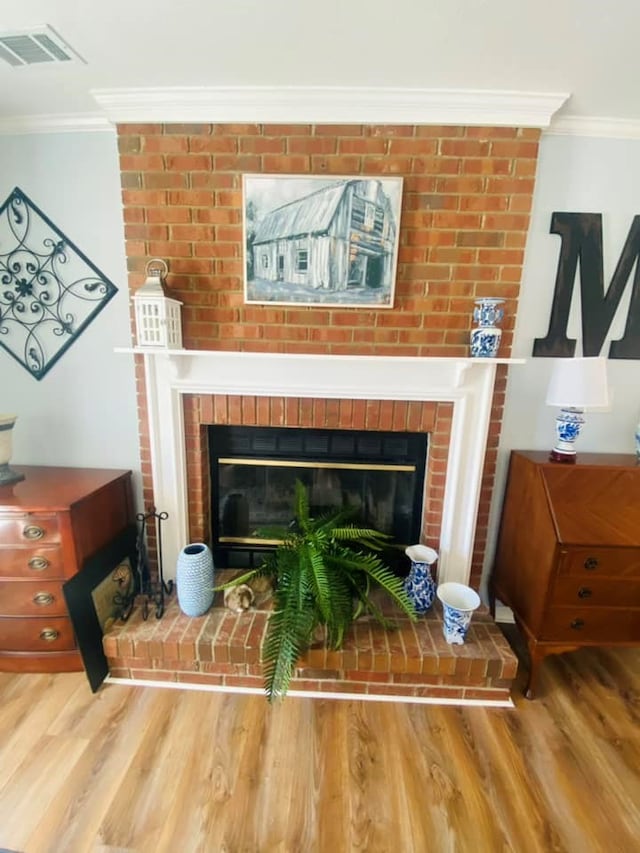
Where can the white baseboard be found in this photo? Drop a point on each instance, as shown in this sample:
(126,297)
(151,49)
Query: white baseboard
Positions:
(312,694)
(503,613)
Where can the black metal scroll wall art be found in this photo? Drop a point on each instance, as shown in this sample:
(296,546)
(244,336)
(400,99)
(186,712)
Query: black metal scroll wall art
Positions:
(49,290)
(581,235)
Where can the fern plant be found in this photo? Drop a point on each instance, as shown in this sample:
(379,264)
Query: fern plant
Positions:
(322,574)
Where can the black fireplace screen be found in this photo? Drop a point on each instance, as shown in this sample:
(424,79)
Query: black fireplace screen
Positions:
(379,476)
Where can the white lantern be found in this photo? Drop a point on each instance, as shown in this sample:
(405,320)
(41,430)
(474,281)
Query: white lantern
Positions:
(158,322)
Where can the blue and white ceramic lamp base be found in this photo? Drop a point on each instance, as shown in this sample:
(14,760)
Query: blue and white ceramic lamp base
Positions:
(569,423)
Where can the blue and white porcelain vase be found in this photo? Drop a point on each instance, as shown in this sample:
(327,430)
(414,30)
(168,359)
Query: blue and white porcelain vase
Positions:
(485,339)
(419,583)
(458,603)
(194,579)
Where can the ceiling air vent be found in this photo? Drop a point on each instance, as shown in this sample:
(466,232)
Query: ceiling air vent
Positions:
(32,47)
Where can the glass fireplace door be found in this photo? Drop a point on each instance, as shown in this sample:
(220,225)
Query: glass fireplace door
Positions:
(256,493)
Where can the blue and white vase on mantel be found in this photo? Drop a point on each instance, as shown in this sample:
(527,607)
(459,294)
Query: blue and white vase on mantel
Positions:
(485,339)
(419,583)
(194,579)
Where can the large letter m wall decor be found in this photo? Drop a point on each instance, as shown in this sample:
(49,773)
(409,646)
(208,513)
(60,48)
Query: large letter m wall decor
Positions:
(581,235)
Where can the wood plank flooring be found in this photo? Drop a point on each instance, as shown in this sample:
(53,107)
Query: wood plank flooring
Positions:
(147,769)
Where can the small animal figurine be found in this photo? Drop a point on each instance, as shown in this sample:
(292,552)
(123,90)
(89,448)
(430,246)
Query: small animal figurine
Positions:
(238,598)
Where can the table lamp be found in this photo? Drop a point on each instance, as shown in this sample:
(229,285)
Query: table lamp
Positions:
(576,384)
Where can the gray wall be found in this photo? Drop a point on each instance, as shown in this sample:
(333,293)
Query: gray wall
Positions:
(83,412)
(581,175)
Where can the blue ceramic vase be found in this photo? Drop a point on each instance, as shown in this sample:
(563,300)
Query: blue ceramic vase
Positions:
(485,339)
(419,583)
(194,579)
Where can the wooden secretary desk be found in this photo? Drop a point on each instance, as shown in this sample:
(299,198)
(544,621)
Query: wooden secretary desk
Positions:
(568,555)
(50,523)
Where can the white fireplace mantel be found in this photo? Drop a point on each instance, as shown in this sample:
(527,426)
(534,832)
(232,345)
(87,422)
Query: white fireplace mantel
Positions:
(466,382)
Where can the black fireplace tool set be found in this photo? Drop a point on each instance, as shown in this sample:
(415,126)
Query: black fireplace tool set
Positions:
(152,591)
(147,591)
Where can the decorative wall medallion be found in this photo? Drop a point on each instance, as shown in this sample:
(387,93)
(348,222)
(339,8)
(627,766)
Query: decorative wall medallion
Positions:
(49,290)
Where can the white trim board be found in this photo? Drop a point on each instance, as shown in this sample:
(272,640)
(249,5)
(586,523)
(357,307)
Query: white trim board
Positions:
(329,105)
(56,123)
(313,694)
(466,382)
(317,105)
(602,127)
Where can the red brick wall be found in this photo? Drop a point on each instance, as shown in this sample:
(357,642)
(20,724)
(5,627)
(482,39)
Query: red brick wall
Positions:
(465,214)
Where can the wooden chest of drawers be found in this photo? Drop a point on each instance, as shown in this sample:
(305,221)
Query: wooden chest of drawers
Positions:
(50,523)
(568,554)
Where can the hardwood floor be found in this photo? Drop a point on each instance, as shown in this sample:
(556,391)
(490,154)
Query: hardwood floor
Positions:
(148,769)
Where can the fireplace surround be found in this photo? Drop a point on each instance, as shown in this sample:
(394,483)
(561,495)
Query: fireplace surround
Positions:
(466,383)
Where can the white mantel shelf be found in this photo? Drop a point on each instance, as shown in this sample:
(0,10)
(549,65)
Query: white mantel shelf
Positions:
(466,382)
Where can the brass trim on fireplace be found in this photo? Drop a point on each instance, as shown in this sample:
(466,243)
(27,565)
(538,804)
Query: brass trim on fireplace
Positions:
(287,463)
(253,540)
(249,540)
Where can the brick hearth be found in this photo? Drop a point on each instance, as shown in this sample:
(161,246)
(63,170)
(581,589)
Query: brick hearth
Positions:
(222,649)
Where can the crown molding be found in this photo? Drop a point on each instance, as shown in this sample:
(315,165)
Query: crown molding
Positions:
(321,106)
(329,105)
(606,128)
(55,123)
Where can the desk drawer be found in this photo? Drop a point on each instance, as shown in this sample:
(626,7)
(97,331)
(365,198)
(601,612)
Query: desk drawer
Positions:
(600,562)
(26,634)
(26,528)
(36,562)
(573,591)
(580,625)
(32,598)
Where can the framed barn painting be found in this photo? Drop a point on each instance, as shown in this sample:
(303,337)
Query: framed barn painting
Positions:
(321,241)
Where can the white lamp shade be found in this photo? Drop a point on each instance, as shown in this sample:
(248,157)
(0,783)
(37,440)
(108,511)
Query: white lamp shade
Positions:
(580,383)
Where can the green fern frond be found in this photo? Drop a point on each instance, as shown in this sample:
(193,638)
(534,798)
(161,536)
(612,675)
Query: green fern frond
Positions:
(289,632)
(247,576)
(323,573)
(321,583)
(329,521)
(373,539)
(301,506)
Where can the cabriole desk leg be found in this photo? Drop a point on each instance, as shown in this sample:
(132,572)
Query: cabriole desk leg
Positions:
(536,657)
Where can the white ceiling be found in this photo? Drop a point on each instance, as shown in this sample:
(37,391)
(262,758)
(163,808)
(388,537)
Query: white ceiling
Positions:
(586,48)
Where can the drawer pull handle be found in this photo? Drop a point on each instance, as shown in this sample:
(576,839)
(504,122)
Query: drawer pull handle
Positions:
(43,599)
(577,624)
(591,563)
(33,531)
(49,635)
(585,592)
(38,564)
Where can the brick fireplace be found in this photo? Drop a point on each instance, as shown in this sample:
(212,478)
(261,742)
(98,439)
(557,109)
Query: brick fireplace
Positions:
(466,201)
(465,214)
